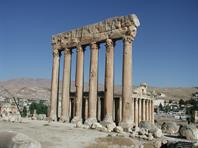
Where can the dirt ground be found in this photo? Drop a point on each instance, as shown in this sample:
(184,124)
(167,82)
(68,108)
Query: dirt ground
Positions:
(66,135)
(54,135)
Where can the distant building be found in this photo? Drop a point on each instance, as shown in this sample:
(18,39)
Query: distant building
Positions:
(157,102)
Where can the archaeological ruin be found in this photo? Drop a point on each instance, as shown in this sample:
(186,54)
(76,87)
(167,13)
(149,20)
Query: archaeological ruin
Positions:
(105,107)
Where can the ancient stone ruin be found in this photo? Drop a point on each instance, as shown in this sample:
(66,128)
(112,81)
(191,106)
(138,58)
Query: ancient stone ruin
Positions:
(127,110)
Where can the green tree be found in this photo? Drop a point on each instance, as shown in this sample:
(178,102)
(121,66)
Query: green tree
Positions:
(40,108)
(181,102)
(24,112)
(160,107)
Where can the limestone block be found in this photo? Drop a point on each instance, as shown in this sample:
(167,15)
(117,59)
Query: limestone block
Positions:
(10,139)
(170,127)
(190,132)
(118,129)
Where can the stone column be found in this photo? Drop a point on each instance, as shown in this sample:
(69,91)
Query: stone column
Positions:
(54,86)
(149,110)
(146,118)
(93,84)
(152,112)
(79,84)
(66,86)
(108,98)
(133,113)
(99,109)
(127,83)
(143,109)
(136,110)
(139,110)
(150,106)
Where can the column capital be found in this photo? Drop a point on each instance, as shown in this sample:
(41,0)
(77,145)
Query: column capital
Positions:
(79,48)
(128,39)
(94,45)
(67,51)
(56,53)
(109,43)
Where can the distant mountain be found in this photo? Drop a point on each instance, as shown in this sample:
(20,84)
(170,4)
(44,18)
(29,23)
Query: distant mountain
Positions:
(40,89)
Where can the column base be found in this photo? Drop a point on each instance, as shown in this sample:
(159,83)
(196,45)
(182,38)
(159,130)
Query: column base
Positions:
(53,118)
(90,121)
(126,125)
(63,119)
(76,119)
(107,121)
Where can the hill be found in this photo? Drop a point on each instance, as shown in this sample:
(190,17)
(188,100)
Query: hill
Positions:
(40,89)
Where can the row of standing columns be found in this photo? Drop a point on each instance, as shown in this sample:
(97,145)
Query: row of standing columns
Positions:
(143,110)
(129,115)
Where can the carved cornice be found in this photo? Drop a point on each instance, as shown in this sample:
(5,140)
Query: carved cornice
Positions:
(114,28)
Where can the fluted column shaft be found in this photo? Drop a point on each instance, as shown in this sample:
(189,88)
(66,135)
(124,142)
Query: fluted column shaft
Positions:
(79,84)
(93,79)
(127,83)
(136,111)
(139,110)
(54,86)
(66,86)
(133,112)
(109,65)
(147,112)
(143,109)
(152,112)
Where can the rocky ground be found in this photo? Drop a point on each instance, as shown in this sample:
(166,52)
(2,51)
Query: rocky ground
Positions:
(60,135)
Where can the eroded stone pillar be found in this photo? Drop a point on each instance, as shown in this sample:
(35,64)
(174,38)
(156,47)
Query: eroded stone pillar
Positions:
(152,111)
(133,113)
(66,86)
(143,109)
(139,110)
(93,84)
(79,84)
(127,83)
(54,86)
(149,110)
(108,98)
(136,110)
(146,117)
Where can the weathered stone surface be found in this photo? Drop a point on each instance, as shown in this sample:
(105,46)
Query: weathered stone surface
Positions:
(157,133)
(157,144)
(146,125)
(150,136)
(110,127)
(79,124)
(190,132)
(102,129)
(96,125)
(113,28)
(151,128)
(170,127)
(118,129)
(17,140)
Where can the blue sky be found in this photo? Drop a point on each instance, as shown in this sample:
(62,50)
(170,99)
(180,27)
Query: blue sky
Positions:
(165,51)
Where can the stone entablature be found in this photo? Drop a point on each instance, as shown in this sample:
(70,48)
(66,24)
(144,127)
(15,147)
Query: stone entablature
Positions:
(114,28)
